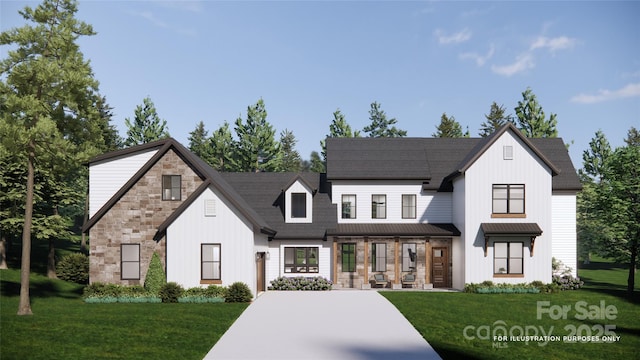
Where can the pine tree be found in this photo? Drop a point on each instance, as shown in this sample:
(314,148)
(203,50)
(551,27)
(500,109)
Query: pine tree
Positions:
(337,129)
(380,126)
(317,165)
(256,148)
(223,148)
(199,144)
(531,118)
(147,125)
(495,119)
(449,128)
(288,159)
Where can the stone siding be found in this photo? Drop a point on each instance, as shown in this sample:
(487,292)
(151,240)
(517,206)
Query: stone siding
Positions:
(135,218)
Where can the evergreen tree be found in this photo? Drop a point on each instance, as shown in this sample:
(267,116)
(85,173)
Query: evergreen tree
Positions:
(147,125)
(633,137)
(337,129)
(316,165)
(256,148)
(495,119)
(49,118)
(380,126)
(531,118)
(449,128)
(288,159)
(222,148)
(199,144)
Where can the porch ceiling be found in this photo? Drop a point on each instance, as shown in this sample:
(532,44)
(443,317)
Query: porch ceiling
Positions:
(394,230)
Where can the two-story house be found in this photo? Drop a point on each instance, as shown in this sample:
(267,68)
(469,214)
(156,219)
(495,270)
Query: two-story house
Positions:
(447,211)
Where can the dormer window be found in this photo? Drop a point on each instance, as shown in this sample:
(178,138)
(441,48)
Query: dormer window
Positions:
(171,186)
(298,205)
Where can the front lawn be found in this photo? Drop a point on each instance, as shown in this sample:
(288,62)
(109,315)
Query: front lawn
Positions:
(64,327)
(460,325)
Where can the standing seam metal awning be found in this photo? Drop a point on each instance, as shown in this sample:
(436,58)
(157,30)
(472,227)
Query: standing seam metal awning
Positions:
(531,230)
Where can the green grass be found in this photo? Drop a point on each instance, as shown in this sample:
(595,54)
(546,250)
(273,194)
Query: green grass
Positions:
(441,318)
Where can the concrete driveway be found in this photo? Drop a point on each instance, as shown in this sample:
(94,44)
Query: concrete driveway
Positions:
(338,324)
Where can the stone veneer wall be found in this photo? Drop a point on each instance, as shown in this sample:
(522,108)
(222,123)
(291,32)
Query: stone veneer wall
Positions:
(135,219)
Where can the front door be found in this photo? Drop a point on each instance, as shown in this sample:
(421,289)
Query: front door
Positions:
(440,267)
(260,268)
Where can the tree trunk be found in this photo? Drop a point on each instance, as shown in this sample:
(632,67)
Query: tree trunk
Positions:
(3,251)
(24,308)
(51,256)
(83,242)
(631,280)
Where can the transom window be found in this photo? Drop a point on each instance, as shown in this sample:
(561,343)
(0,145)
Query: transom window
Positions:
(301,260)
(409,257)
(348,257)
(378,206)
(210,261)
(508,199)
(507,257)
(298,205)
(348,206)
(171,185)
(378,257)
(130,261)
(409,206)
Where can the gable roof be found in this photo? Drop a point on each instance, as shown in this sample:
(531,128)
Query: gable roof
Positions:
(435,161)
(210,177)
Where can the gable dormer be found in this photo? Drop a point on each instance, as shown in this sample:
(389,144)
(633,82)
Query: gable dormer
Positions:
(298,201)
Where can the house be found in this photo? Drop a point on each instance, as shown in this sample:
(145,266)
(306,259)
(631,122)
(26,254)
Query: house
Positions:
(445,211)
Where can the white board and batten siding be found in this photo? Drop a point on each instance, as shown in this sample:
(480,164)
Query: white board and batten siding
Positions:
(211,219)
(275,264)
(431,206)
(107,177)
(564,229)
(494,167)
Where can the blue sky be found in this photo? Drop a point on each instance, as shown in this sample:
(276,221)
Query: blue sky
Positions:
(209,60)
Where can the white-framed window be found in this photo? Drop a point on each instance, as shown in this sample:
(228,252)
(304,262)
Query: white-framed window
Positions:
(378,206)
(210,262)
(508,198)
(130,261)
(348,206)
(171,186)
(508,257)
(409,206)
(298,205)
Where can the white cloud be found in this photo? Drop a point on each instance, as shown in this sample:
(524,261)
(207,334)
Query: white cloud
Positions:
(455,38)
(523,62)
(479,59)
(552,44)
(631,90)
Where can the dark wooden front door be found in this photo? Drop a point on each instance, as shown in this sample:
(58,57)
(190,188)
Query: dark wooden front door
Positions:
(440,267)
(260,268)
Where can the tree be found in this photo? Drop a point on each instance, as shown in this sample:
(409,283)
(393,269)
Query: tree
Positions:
(531,118)
(199,144)
(316,164)
(48,97)
(495,119)
(256,148)
(633,137)
(288,159)
(222,148)
(337,129)
(380,126)
(449,128)
(147,125)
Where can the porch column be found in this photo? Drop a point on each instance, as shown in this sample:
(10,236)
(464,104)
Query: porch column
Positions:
(366,260)
(335,260)
(396,279)
(427,261)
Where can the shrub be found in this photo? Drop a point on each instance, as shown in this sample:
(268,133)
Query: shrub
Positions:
(239,292)
(488,287)
(216,291)
(567,282)
(99,289)
(155,278)
(170,292)
(74,267)
(300,283)
(200,299)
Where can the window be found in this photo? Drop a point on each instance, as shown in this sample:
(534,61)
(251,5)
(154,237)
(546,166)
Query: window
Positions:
(378,206)
(348,206)
(408,206)
(298,205)
(507,257)
(379,257)
(130,261)
(508,199)
(348,257)
(409,256)
(210,261)
(507,152)
(171,187)
(301,260)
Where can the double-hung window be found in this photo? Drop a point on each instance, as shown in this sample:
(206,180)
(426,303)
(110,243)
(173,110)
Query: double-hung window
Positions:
(378,257)
(298,205)
(210,263)
(348,206)
(171,185)
(130,261)
(409,206)
(378,206)
(508,199)
(301,260)
(507,257)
